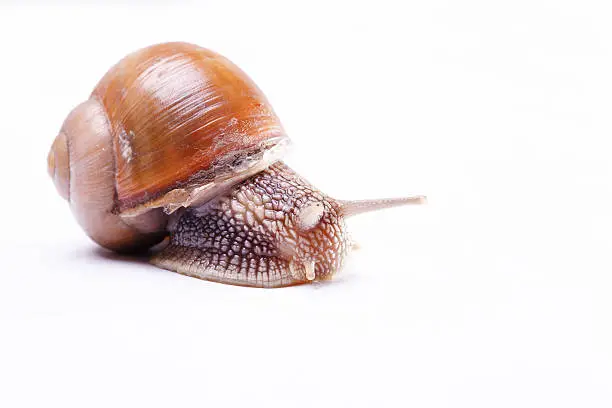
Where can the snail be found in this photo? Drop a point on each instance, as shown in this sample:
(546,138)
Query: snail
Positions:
(177,144)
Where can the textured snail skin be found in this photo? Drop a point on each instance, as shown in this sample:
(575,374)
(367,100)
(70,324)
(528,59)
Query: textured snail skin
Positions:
(256,235)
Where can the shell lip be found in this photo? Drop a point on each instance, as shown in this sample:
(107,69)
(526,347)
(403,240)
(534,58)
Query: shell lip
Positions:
(197,193)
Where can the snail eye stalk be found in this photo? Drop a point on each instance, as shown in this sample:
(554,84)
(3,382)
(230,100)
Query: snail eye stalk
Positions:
(350,208)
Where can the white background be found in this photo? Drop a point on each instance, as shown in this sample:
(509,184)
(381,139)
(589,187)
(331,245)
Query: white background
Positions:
(496,294)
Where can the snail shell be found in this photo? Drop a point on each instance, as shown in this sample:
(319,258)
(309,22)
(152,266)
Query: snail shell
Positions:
(169,126)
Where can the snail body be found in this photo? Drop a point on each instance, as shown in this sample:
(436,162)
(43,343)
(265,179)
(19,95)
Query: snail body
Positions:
(177,141)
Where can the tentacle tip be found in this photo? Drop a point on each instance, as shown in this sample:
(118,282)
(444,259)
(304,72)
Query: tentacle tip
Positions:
(309,267)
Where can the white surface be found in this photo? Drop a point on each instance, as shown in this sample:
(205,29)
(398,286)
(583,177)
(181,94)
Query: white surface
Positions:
(497,294)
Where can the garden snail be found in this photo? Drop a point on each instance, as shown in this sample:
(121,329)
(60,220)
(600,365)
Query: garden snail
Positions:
(177,141)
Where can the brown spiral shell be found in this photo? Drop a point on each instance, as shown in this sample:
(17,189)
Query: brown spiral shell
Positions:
(168,126)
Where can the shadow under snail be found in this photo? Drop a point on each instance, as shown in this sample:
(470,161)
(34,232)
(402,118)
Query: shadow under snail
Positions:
(176,140)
